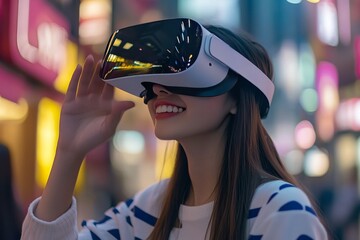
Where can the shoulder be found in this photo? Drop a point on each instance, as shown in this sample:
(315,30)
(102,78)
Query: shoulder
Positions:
(145,205)
(133,217)
(279,193)
(153,195)
(280,210)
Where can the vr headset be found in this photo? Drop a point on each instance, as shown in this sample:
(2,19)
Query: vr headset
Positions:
(181,55)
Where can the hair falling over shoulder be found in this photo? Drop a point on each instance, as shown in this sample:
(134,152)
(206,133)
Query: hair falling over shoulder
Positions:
(250,156)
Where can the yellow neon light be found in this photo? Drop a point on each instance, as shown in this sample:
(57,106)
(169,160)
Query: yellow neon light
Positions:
(47,135)
(62,81)
(13,111)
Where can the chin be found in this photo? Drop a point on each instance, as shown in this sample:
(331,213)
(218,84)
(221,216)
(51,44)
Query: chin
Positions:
(166,135)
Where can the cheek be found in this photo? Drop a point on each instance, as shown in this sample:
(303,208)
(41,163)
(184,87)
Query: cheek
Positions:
(211,114)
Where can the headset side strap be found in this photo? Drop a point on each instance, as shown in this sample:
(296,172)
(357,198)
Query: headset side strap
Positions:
(218,49)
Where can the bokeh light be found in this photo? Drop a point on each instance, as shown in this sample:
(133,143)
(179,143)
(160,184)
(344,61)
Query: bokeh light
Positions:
(129,142)
(309,100)
(316,163)
(294,161)
(294,1)
(305,135)
(345,150)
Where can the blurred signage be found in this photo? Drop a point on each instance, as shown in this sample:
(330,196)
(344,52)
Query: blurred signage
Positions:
(2,7)
(357,55)
(225,12)
(34,38)
(327,86)
(18,85)
(348,115)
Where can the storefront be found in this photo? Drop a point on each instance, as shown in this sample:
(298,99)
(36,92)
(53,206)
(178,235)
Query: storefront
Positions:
(37,56)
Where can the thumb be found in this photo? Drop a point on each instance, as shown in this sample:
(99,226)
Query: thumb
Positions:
(122,106)
(118,109)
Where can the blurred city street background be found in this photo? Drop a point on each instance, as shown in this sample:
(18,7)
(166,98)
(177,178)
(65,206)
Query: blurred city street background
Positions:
(314,120)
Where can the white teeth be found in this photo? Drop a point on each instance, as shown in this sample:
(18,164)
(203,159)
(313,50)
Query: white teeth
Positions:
(168,108)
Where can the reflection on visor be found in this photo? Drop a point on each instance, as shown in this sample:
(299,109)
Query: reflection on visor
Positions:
(152,48)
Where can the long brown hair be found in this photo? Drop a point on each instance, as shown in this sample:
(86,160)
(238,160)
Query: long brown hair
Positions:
(249,159)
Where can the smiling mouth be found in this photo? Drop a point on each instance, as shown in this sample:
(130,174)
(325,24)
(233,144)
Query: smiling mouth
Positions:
(168,109)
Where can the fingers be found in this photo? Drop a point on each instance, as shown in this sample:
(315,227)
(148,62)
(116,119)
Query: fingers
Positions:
(118,110)
(86,76)
(71,92)
(86,80)
(97,84)
(108,92)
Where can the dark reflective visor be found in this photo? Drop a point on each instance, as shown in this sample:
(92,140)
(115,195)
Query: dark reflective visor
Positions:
(168,46)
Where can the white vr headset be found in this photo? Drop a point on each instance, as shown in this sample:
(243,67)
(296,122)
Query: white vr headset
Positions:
(181,55)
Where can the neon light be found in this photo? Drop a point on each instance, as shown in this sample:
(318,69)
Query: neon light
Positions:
(348,115)
(309,100)
(50,36)
(13,111)
(307,66)
(357,55)
(305,134)
(316,163)
(26,50)
(344,21)
(47,135)
(327,24)
(294,1)
(327,86)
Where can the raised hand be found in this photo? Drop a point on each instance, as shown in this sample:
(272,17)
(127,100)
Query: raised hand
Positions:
(89,114)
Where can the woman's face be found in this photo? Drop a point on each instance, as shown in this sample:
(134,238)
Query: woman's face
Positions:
(178,117)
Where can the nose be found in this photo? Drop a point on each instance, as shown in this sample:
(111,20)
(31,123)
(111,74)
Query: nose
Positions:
(160,90)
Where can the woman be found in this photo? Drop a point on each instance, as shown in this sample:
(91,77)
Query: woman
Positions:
(228,181)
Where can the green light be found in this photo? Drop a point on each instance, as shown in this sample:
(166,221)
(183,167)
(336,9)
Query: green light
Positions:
(309,100)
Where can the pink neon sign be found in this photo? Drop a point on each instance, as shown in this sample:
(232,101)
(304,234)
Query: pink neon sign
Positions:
(357,55)
(35,39)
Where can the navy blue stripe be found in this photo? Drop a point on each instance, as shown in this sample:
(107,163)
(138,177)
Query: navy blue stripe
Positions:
(293,205)
(310,210)
(129,202)
(115,210)
(271,197)
(286,185)
(144,216)
(105,219)
(304,237)
(83,223)
(255,237)
(128,220)
(253,212)
(115,233)
(94,236)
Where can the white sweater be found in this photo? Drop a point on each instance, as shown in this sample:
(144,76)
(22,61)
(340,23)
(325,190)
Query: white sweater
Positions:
(278,211)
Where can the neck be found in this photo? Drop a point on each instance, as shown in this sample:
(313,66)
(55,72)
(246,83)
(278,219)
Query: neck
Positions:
(204,156)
